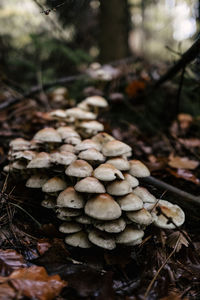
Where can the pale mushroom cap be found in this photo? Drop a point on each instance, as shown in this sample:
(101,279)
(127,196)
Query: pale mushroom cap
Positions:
(87,144)
(70,198)
(66,213)
(83,105)
(130,202)
(70,227)
(119,188)
(131,179)
(78,239)
(49,203)
(114,226)
(48,135)
(101,240)
(119,163)
(144,194)
(90,185)
(19,144)
(58,113)
(142,217)
(96,101)
(102,138)
(66,132)
(67,148)
(138,169)
(91,126)
(107,172)
(27,155)
(79,168)
(103,207)
(115,148)
(62,158)
(60,91)
(41,160)
(36,181)
(53,185)
(83,219)
(129,235)
(73,140)
(80,114)
(92,155)
(172,211)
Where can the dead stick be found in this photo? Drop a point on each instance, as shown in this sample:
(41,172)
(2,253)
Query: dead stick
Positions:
(163,185)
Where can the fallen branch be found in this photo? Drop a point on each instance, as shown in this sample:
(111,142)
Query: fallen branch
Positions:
(163,185)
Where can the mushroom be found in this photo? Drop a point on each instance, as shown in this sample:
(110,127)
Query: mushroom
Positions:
(138,169)
(120,163)
(141,217)
(130,202)
(54,185)
(90,185)
(40,161)
(131,179)
(79,168)
(49,135)
(78,239)
(107,172)
(114,226)
(101,239)
(49,203)
(70,227)
(62,158)
(89,128)
(115,148)
(91,155)
(19,144)
(96,102)
(102,138)
(129,235)
(144,194)
(65,214)
(87,144)
(66,132)
(70,198)
(119,188)
(36,181)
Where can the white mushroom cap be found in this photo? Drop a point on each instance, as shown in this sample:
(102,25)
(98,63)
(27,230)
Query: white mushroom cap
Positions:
(91,126)
(96,101)
(70,227)
(172,211)
(74,140)
(67,148)
(107,172)
(83,219)
(70,198)
(79,168)
(120,163)
(66,132)
(101,239)
(83,105)
(49,203)
(129,235)
(142,217)
(62,158)
(58,113)
(130,202)
(135,243)
(41,160)
(132,180)
(138,169)
(144,194)
(102,138)
(53,185)
(27,155)
(80,114)
(115,148)
(64,213)
(119,188)
(19,144)
(114,226)
(92,155)
(49,135)
(36,181)
(103,207)
(87,144)
(78,239)
(90,185)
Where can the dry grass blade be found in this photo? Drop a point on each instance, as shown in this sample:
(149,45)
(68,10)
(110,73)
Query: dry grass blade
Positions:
(177,236)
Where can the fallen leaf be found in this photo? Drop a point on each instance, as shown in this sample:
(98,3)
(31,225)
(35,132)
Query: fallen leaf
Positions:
(10,260)
(135,87)
(184,174)
(177,239)
(178,162)
(190,143)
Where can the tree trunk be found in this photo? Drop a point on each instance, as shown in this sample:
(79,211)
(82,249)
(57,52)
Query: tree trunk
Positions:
(114,29)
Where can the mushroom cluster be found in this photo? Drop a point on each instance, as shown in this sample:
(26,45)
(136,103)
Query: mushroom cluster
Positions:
(91,184)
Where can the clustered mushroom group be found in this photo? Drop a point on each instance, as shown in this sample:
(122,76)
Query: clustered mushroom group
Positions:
(88,179)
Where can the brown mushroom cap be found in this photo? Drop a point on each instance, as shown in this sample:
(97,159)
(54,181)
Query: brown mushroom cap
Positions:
(41,160)
(115,148)
(36,181)
(70,198)
(79,168)
(70,227)
(119,163)
(90,185)
(103,207)
(131,179)
(107,172)
(78,239)
(62,158)
(144,194)
(53,185)
(138,169)
(130,202)
(142,217)
(48,135)
(91,155)
(129,235)
(114,226)
(67,148)
(66,132)
(87,144)
(102,240)
(102,138)
(119,188)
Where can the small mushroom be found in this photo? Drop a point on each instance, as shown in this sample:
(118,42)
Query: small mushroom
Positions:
(131,179)
(70,198)
(62,158)
(101,239)
(119,188)
(144,194)
(36,181)
(129,235)
(70,227)
(91,155)
(115,148)
(138,169)
(87,144)
(54,185)
(114,226)
(79,168)
(107,172)
(49,135)
(40,161)
(130,202)
(90,185)
(141,217)
(78,239)
(119,163)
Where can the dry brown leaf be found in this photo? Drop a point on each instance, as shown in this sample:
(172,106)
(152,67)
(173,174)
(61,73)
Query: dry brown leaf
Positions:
(184,174)
(177,239)
(10,260)
(33,282)
(174,296)
(178,162)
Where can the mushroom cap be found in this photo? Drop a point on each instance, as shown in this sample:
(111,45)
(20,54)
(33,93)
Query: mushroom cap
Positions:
(66,132)
(115,148)
(70,227)
(120,163)
(78,239)
(67,148)
(129,235)
(49,135)
(53,185)
(58,113)
(103,207)
(96,101)
(91,155)
(41,160)
(119,188)
(107,172)
(87,144)
(114,226)
(91,126)
(131,179)
(144,194)
(18,165)
(135,243)
(62,158)
(172,211)
(90,185)
(66,213)
(80,114)
(142,217)
(36,181)
(101,239)
(138,169)
(19,144)
(83,105)
(79,168)
(26,155)
(83,219)
(74,140)
(130,202)
(70,198)
(102,138)
(49,203)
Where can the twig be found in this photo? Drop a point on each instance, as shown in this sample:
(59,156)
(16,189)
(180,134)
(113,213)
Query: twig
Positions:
(39,225)
(163,185)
